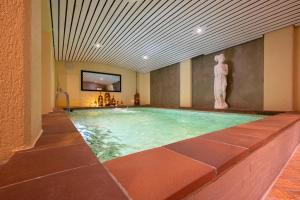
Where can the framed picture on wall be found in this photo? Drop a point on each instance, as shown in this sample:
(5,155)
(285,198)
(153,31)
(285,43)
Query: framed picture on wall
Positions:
(99,81)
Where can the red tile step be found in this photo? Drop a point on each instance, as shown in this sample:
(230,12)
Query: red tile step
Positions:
(33,163)
(274,123)
(220,155)
(160,174)
(60,166)
(59,125)
(85,183)
(242,137)
(59,140)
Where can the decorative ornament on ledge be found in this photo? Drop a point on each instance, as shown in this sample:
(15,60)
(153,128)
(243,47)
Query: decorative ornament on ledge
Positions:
(107,99)
(137,95)
(100,100)
(137,99)
(220,82)
(113,101)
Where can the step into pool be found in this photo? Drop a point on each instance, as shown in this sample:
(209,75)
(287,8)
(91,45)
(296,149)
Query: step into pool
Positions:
(116,132)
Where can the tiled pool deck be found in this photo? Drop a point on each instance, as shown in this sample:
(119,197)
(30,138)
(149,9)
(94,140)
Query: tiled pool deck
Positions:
(287,186)
(234,163)
(60,166)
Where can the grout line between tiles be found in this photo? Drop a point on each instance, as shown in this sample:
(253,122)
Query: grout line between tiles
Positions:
(37,149)
(221,142)
(225,143)
(192,159)
(264,196)
(47,175)
(117,182)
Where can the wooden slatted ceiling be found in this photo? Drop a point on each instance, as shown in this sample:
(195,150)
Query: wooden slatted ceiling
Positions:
(163,30)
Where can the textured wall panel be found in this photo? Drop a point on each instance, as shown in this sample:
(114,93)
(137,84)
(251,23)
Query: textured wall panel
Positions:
(245,79)
(165,86)
(14,75)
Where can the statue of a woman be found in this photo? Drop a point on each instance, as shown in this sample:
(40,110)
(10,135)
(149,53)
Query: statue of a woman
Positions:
(220,83)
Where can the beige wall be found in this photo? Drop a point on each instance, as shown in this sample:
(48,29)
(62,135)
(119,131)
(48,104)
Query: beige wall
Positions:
(278,69)
(144,88)
(186,83)
(68,78)
(297,69)
(48,62)
(36,71)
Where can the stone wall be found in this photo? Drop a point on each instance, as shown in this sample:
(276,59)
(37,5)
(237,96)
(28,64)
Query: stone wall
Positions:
(245,78)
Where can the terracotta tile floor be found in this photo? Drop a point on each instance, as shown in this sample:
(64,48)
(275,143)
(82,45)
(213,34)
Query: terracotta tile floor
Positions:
(60,166)
(287,186)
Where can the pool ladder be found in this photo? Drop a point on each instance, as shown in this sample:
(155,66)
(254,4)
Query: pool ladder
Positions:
(60,91)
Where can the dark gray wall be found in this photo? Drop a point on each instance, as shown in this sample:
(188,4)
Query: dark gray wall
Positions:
(245,78)
(165,86)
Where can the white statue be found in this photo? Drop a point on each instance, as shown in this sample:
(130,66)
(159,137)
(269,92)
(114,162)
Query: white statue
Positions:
(220,83)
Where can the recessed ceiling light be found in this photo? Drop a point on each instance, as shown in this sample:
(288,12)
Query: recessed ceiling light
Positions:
(199,30)
(145,57)
(98,45)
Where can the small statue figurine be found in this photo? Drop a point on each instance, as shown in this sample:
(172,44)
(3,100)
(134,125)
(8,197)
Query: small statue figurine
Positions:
(100,100)
(220,82)
(113,101)
(107,99)
(137,99)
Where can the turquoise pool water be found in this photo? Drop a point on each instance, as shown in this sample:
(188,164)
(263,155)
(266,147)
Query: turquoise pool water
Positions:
(117,132)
